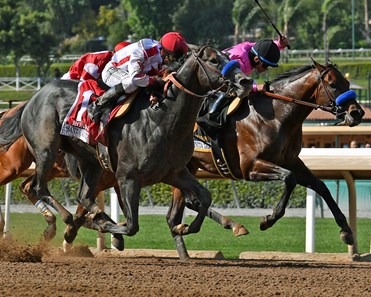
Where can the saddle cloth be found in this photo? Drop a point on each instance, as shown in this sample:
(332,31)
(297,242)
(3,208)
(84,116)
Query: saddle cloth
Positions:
(77,122)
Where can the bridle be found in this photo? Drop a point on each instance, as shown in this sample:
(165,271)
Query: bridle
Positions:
(206,68)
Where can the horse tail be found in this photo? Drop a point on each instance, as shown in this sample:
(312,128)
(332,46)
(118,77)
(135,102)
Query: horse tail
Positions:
(10,128)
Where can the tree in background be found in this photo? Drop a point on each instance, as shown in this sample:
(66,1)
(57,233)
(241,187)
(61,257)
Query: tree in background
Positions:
(149,18)
(205,21)
(10,37)
(113,23)
(40,28)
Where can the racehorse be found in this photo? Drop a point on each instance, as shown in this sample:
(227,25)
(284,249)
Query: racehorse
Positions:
(146,146)
(263,140)
(17,158)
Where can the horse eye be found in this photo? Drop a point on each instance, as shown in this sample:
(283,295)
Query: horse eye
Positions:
(214,61)
(332,85)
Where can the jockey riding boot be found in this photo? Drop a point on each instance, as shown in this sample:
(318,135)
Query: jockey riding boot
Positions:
(218,104)
(97,108)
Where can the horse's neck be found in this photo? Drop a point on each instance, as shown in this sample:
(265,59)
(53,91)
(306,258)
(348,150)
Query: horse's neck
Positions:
(297,91)
(184,105)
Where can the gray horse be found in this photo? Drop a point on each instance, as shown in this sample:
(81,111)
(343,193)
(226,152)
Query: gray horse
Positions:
(146,146)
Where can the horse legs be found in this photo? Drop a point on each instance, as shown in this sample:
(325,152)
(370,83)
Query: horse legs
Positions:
(197,193)
(266,171)
(2,223)
(306,178)
(174,218)
(82,220)
(129,190)
(50,218)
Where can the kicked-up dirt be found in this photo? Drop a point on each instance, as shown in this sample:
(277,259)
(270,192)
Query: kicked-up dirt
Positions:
(43,271)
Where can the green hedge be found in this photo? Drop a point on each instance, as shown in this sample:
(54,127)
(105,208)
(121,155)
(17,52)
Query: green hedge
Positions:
(250,195)
(356,69)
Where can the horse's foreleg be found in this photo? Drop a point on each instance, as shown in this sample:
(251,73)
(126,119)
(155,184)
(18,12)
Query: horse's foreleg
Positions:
(129,196)
(266,171)
(305,178)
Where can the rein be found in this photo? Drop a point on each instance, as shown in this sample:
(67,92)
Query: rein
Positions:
(301,102)
(171,78)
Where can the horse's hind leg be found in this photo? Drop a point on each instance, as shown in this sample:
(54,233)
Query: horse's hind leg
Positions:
(25,188)
(43,137)
(174,218)
(194,191)
(227,223)
(2,223)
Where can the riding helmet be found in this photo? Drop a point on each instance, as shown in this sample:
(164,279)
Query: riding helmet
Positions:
(174,43)
(267,51)
(121,45)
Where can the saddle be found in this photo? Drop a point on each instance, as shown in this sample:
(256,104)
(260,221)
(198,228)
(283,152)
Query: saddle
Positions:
(123,105)
(204,143)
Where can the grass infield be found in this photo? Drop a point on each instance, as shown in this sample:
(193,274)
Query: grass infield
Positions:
(288,235)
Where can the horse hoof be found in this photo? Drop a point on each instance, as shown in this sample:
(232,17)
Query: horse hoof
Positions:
(264,223)
(70,234)
(239,230)
(118,242)
(347,237)
(67,247)
(50,232)
(181,229)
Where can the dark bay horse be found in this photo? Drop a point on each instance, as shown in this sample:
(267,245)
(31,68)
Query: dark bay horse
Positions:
(18,158)
(263,140)
(146,146)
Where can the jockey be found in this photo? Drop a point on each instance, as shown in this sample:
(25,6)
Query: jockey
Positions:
(138,65)
(91,65)
(260,56)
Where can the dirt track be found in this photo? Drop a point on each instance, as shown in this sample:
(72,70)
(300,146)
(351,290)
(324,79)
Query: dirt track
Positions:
(39,271)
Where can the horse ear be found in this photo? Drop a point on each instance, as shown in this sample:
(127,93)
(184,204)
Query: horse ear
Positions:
(318,65)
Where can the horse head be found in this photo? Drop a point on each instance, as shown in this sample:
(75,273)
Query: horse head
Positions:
(334,91)
(214,72)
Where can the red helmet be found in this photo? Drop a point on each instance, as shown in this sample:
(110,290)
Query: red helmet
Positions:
(174,43)
(121,45)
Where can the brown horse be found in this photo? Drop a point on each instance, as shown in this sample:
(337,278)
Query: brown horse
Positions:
(263,141)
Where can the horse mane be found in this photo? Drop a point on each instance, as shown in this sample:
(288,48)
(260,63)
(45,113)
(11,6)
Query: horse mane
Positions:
(292,74)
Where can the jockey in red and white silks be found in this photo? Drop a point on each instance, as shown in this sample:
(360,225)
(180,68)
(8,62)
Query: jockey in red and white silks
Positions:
(89,66)
(134,65)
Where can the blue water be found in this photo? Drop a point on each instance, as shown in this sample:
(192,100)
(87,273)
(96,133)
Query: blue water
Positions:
(363,192)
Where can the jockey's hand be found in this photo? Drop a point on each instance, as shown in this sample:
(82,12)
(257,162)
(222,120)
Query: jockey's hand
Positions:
(156,81)
(154,98)
(284,41)
(163,72)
